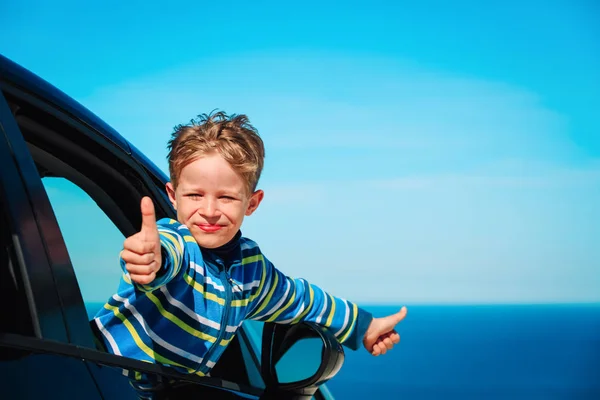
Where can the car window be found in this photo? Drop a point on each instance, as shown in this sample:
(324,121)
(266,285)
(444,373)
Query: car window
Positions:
(93,187)
(251,355)
(92,240)
(254,330)
(16,318)
(93,243)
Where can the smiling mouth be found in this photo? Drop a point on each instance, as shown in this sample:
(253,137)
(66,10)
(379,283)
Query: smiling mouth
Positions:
(209,227)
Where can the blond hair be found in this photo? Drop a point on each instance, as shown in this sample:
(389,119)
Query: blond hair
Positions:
(232,137)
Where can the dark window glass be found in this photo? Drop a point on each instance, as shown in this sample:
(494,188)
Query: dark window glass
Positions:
(16,316)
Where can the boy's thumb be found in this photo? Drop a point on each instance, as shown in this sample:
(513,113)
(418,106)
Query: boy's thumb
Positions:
(148,215)
(399,316)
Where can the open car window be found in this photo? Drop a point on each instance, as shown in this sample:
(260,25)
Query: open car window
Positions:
(92,240)
(93,189)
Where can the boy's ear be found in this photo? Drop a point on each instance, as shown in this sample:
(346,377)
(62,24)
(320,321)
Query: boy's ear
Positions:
(255,200)
(171,193)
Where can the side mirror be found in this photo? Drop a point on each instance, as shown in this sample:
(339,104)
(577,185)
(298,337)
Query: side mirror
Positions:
(296,359)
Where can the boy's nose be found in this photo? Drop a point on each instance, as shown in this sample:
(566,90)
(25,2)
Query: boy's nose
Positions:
(210,208)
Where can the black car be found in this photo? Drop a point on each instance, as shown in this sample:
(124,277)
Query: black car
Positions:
(47,348)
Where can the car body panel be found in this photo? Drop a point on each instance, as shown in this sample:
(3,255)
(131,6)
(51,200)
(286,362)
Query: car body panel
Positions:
(15,75)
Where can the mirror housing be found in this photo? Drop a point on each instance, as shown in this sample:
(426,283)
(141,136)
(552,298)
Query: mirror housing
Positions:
(278,339)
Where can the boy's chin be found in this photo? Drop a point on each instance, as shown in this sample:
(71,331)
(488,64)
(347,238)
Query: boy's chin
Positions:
(211,241)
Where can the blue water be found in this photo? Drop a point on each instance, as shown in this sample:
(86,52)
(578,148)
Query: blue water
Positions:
(481,352)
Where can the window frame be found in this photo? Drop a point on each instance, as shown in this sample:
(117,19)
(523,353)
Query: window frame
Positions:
(77,338)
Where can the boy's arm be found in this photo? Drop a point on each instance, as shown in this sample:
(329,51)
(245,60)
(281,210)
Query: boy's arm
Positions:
(285,300)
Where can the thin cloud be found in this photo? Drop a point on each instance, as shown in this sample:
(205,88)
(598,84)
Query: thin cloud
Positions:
(553,178)
(308,194)
(316,101)
(503,174)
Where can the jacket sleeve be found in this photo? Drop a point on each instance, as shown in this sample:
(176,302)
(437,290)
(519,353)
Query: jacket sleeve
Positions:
(285,300)
(172,252)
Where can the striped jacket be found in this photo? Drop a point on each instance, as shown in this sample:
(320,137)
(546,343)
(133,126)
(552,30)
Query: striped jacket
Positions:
(188,315)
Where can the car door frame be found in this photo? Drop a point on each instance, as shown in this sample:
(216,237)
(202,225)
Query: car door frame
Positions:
(61,279)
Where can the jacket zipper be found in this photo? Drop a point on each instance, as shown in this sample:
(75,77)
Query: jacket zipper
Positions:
(227,284)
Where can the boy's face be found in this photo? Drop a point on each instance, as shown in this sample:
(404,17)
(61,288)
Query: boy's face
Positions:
(211,199)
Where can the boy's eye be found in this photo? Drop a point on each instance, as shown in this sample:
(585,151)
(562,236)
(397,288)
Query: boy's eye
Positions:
(194,196)
(227,198)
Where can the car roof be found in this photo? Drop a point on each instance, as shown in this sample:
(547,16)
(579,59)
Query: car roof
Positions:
(17,76)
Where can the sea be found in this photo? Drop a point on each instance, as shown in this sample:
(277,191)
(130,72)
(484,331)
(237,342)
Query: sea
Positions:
(480,352)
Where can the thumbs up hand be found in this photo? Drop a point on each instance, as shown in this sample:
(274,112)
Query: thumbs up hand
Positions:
(141,251)
(381,335)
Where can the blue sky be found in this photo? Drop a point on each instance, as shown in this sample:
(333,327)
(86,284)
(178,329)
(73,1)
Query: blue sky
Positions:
(417,152)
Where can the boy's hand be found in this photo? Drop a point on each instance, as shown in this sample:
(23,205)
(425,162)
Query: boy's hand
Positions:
(381,335)
(141,251)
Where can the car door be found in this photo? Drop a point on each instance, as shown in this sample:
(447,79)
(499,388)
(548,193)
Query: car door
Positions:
(88,191)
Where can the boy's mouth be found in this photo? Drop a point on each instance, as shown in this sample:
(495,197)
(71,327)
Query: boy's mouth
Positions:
(209,227)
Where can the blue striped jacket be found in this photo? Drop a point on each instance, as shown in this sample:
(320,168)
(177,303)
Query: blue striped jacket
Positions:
(188,315)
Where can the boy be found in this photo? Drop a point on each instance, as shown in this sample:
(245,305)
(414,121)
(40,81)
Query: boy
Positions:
(189,284)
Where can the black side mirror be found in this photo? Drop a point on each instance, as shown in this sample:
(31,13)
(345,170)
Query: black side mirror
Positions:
(296,359)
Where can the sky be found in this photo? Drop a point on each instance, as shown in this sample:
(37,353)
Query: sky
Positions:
(425,152)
